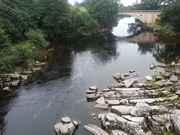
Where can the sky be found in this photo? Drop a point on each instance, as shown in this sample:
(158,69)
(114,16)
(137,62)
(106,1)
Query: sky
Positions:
(124,2)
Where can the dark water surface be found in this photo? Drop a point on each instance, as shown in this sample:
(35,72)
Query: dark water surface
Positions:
(34,108)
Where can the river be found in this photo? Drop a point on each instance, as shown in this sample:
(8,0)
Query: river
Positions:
(60,90)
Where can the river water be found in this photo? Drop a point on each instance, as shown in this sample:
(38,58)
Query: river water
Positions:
(60,90)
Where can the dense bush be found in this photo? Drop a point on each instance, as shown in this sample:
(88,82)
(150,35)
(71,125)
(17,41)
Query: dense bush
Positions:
(36,37)
(171,15)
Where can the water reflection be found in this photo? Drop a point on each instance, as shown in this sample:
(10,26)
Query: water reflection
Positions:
(122,29)
(162,51)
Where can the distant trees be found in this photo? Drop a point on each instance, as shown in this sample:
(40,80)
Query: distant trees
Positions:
(147,5)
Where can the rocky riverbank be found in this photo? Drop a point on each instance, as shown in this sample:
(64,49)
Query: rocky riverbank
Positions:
(151,108)
(11,80)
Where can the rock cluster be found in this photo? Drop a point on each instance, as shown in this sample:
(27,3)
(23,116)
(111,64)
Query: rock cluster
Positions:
(151,108)
(66,126)
(8,81)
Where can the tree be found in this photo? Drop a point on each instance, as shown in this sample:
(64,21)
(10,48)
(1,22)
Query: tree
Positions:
(13,20)
(105,12)
(170,15)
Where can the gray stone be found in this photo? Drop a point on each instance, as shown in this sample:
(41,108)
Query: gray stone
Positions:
(93,96)
(66,120)
(113,102)
(24,77)
(100,100)
(121,109)
(57,127)
(100,115)
(147,100)
(106,90)
(118,77)
(76,123)
(95,130)
(142,109)
(117,132)
(71,128)
(128,83)
(152,66)
(101,106)
(139,120)
(93,88)
(90,91)
(6,88)
(64,130)
(119,85)
(178,92)
(149,78)
(15,83)
(131,71)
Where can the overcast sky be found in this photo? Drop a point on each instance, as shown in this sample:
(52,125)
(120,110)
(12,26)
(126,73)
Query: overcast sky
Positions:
(125,2)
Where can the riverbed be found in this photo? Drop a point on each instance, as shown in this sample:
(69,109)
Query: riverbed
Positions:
(60,90)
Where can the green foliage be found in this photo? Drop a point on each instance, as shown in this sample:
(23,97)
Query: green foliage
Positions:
(36,37)
(18,56)
(170,15)
(4,39)
(13,20)
(147,5)
(105,12)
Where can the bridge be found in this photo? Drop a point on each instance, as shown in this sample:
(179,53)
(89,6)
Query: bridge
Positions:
(148,16)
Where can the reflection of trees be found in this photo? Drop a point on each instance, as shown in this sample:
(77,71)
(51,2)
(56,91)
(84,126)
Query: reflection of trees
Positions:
(103,49)
(162,52)
(145,47)
(105,52)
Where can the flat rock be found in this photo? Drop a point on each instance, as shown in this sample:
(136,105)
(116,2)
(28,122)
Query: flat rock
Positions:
(134,119)
(117,132)
(128,83)
(95,130)
(122,109)
(146,100)
(113,102)
(101,106)
(142,109)
(66,120)
(100,100)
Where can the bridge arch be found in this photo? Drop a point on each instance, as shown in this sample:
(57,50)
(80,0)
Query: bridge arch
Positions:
(148,16)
